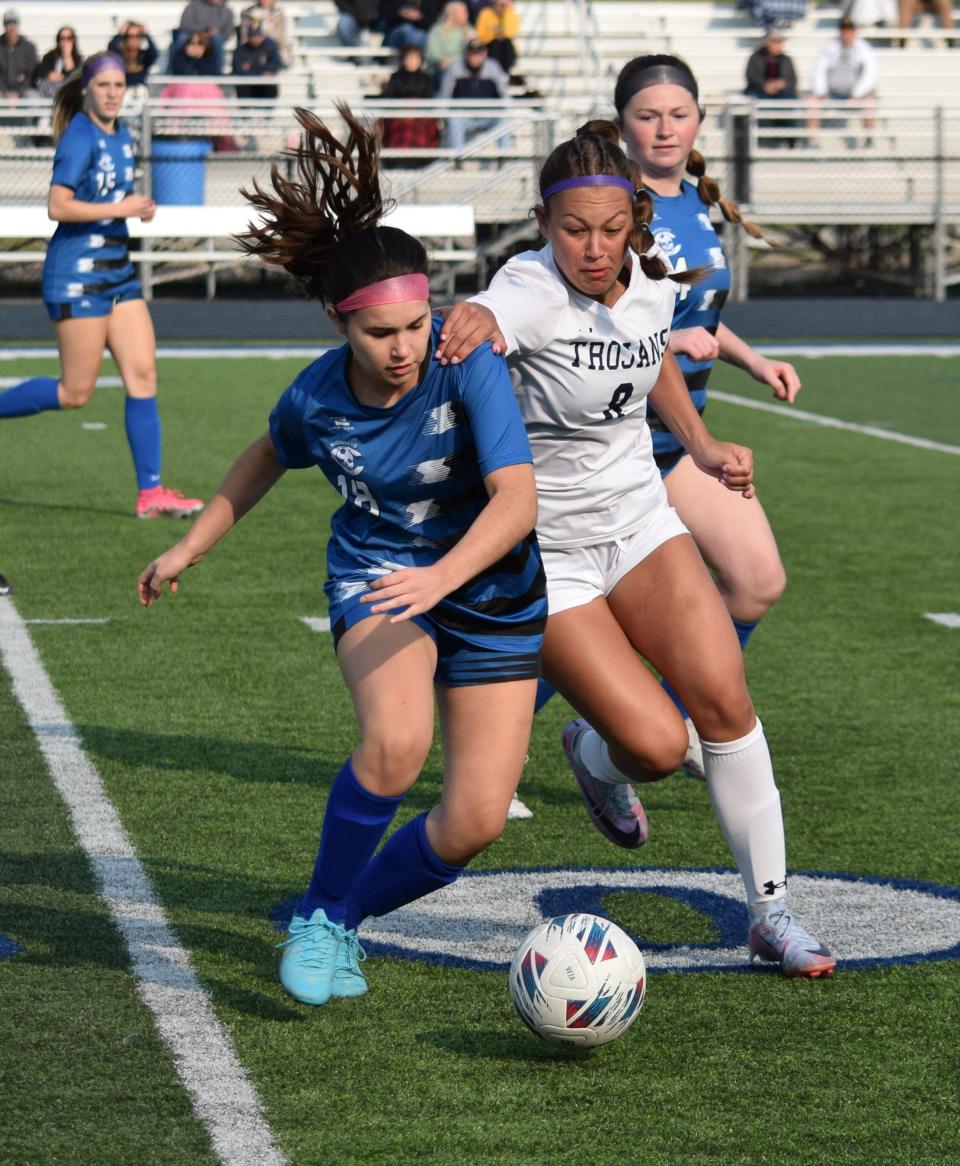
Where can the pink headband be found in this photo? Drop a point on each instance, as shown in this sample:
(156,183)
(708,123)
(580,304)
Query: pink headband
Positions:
(387,291)
(101,65)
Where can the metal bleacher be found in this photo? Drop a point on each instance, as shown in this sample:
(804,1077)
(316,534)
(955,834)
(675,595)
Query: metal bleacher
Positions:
(906,171)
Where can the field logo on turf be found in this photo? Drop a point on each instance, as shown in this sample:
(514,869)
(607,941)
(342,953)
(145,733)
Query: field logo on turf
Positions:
(479,921)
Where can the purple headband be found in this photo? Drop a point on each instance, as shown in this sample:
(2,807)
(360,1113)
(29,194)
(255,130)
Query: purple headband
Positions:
(100,65)
(591,180)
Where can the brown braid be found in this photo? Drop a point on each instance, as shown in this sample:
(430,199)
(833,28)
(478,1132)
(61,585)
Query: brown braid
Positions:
(709,190)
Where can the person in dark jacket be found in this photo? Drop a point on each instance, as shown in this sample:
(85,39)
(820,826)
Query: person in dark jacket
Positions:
(55,65)
(18,58)
(195,57)
(212,17)
(411,81)
(407,22)
(770,71)
(356,19)
(135,47)
(258,56)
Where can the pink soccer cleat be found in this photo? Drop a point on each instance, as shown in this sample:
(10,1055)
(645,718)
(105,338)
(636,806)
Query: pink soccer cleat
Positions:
(779,939)
(160,501)
(615,810)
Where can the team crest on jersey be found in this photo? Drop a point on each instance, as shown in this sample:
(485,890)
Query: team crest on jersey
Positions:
(348,456)
(666,240)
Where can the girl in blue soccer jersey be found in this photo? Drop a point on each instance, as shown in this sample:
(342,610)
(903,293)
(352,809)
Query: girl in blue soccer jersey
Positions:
(585,324)
(657,102)
(90,288)
(434,575)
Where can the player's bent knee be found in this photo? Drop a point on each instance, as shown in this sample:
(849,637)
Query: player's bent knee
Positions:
(655,759)
(75,394)
(393,764)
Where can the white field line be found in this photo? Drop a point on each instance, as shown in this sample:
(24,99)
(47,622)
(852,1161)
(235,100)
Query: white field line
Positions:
(282,352)
(102,382)
(316,623)
(949,619)
(68,622)
(832,423)
(222,1096)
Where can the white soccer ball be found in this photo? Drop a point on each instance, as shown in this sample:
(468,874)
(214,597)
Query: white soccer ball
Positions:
(578,980)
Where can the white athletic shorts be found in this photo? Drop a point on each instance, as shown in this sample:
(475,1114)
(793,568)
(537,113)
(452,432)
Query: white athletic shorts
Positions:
(578,575)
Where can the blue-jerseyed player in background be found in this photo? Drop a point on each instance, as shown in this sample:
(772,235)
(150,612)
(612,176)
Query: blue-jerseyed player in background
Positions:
(435,576)
(90,288)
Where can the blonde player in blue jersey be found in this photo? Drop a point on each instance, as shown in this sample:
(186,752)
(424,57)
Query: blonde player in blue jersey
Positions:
(657,102)
(434,574)
(585,323)
(90,289)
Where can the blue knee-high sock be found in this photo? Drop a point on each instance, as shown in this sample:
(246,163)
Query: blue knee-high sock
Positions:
(142,419)
(354,822)
(744,632)
(407,868)
(37,395)
(544,693)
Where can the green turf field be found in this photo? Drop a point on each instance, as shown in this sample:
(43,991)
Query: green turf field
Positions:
(216,721)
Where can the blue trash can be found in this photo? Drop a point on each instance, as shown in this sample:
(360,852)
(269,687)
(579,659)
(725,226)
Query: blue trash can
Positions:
(180,171)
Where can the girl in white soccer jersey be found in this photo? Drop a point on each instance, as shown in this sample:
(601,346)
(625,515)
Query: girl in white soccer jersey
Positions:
(586,323)
(435,575)
(90,288)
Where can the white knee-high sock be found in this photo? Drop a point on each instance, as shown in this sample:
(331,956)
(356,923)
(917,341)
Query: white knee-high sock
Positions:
(595,756)
(747,804)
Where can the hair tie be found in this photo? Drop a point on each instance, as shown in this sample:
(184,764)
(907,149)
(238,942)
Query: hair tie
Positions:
(100,65)
(656,75)
(591,180)
(387,291)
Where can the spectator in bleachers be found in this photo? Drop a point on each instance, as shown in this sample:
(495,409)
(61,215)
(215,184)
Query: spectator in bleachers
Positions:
(498,26)
(258,56)
(273,21)
(18,58)
(846,70)
(473,77)
(55,65)
(448,37)
(774,13)
(135,47)
(873,13)
(941,10)
(195,57)
(356,19)
(212,17)
(407,22)
(410,81)
(770,71)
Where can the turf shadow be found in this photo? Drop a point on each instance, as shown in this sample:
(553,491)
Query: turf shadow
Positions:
(501,1046)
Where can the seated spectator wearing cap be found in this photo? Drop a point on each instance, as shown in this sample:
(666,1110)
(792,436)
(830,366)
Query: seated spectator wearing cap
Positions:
(474,77)
(770,71)
(258,56)
(498,26)
(412,82)
(407,22)
(272,18)
(845,70)
(135,47)
(18,58)
(58,63)
(212,17)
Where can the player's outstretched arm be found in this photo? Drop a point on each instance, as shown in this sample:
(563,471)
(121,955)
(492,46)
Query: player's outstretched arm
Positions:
(730,464)
(508,517)
(780,376)
(254,472)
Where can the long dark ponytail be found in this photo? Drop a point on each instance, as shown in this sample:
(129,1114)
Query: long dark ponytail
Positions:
(322,224)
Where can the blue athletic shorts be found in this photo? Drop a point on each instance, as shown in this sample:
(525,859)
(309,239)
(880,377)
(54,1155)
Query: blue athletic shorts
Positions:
(669,460)
(460,661)
(88,306)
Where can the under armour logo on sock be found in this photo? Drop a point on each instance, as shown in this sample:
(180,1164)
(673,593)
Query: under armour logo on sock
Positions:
(771,888)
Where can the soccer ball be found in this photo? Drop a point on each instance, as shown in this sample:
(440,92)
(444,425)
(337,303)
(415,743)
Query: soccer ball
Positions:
(578,980)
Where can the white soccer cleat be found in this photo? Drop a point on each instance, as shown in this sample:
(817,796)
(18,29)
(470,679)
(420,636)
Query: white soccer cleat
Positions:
(518,810)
